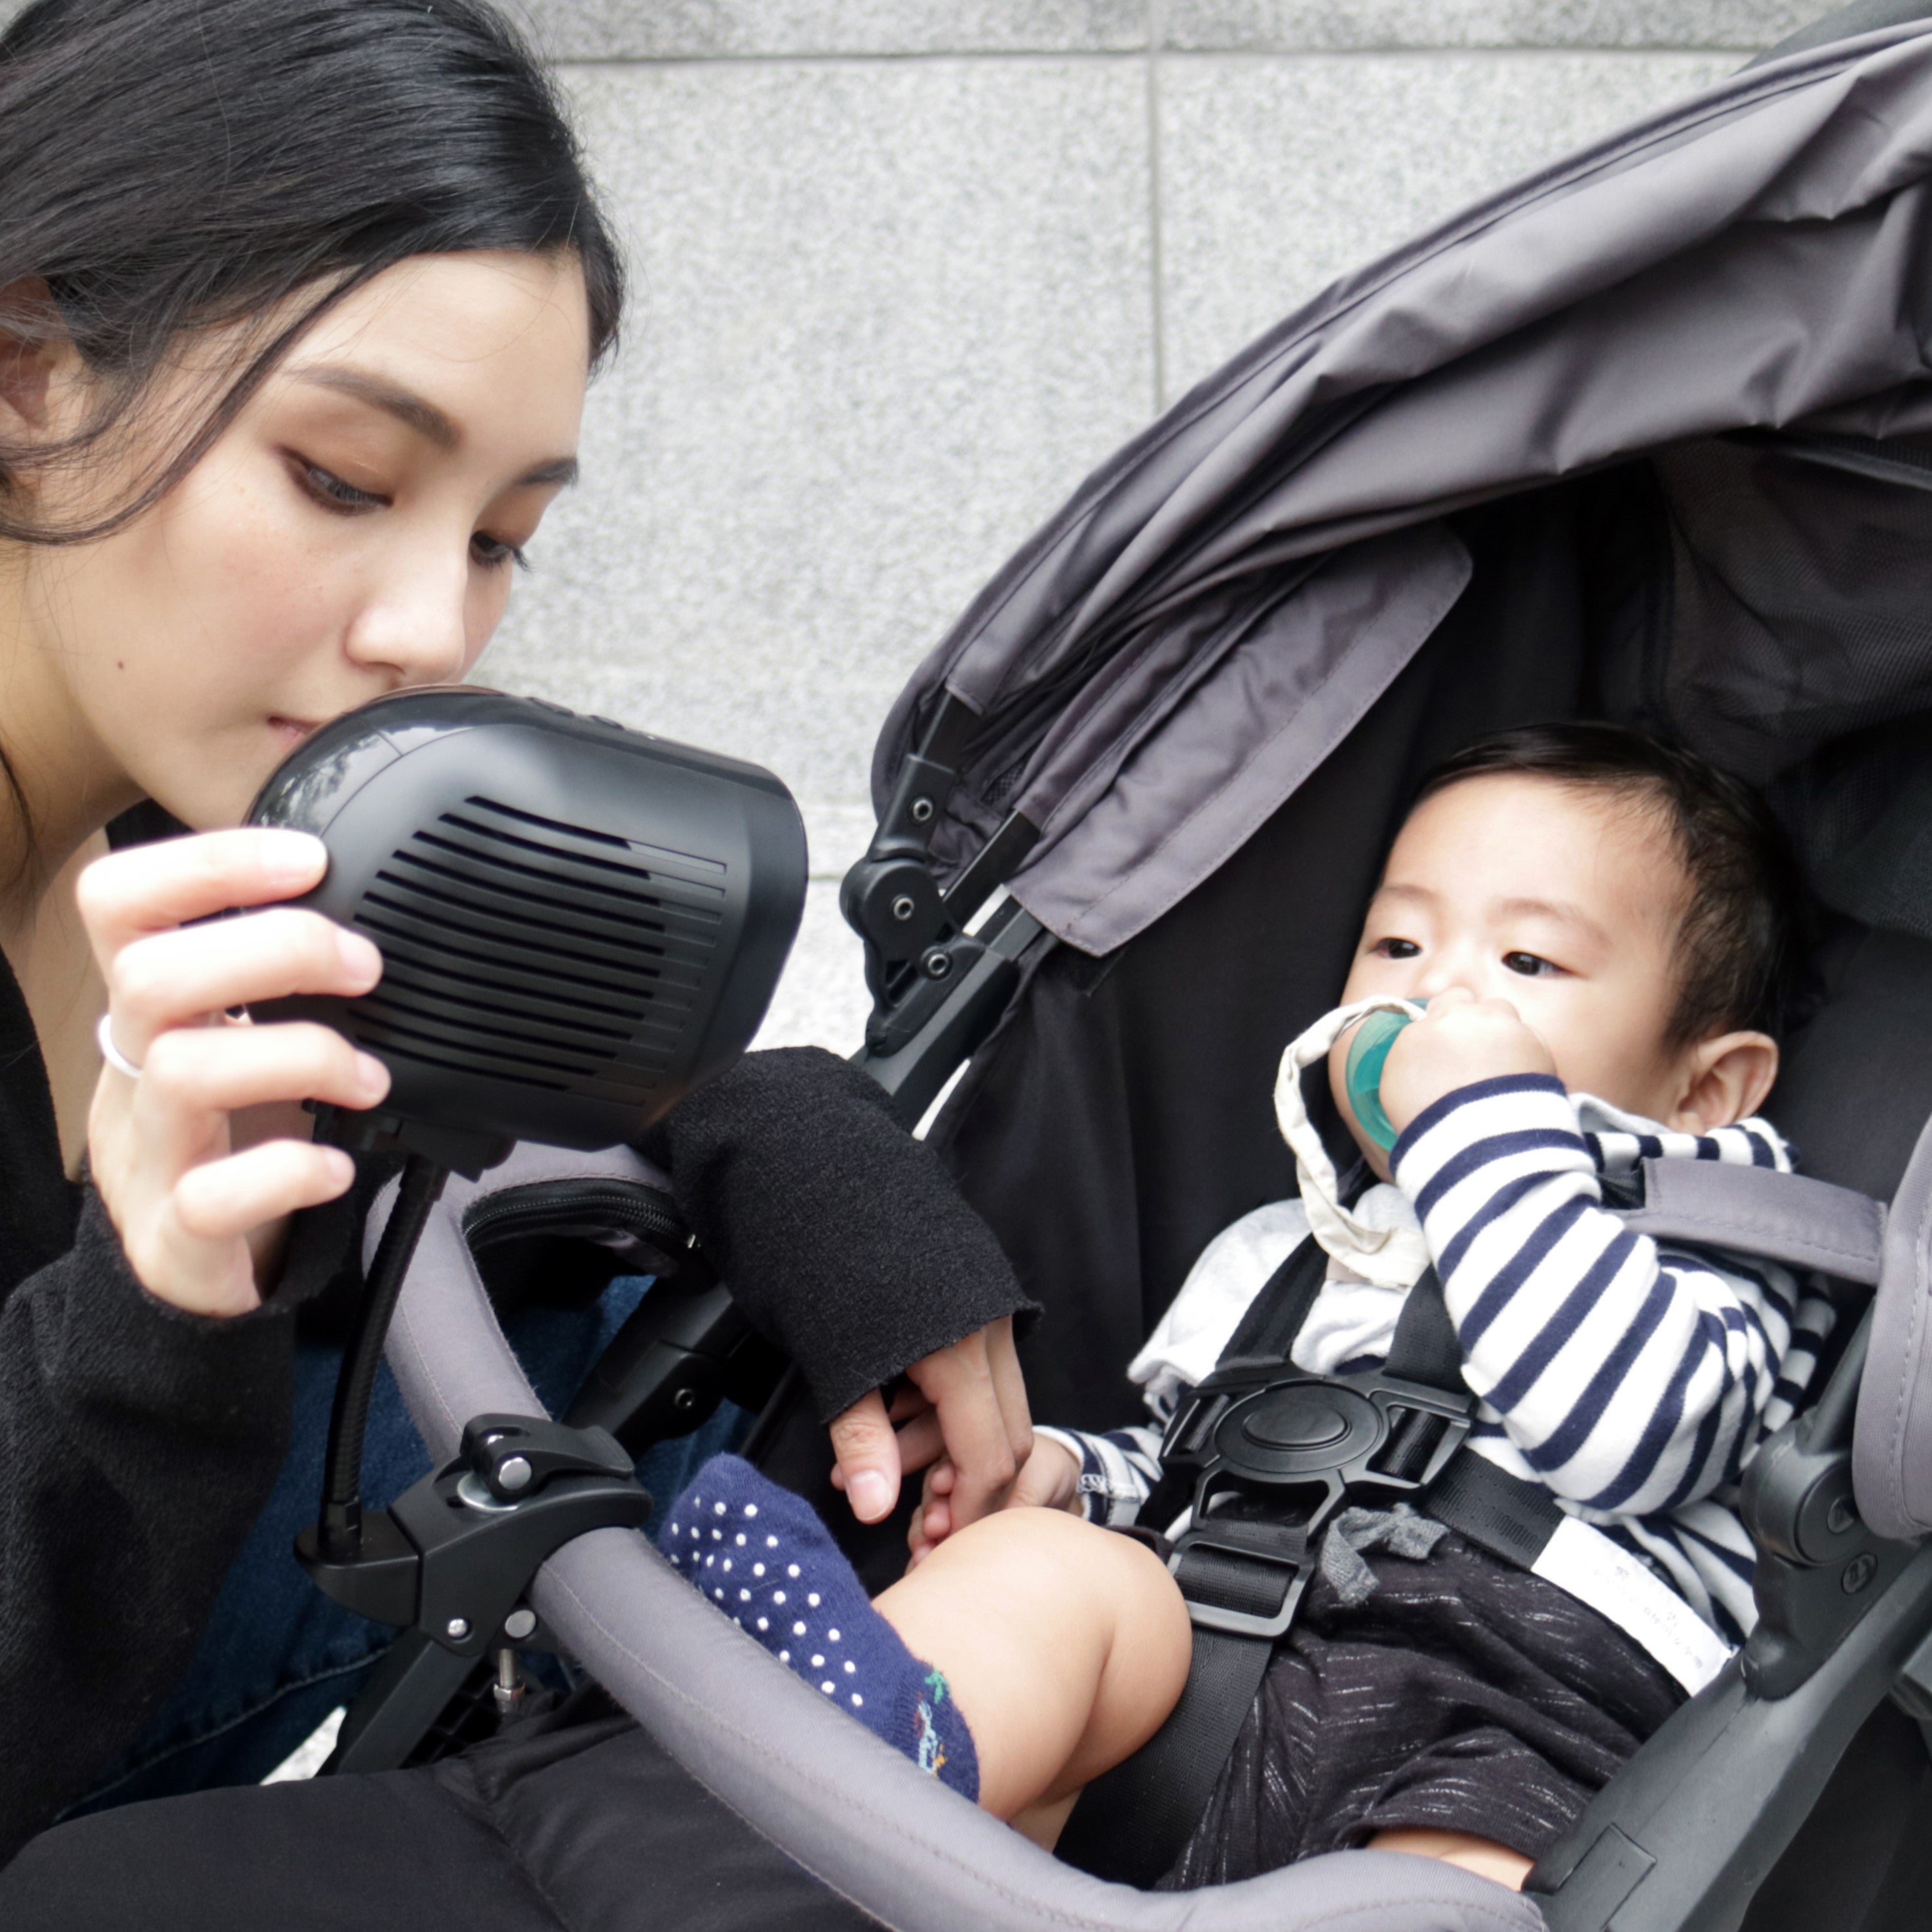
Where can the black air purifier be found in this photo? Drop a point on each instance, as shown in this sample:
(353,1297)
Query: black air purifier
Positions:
(579,923)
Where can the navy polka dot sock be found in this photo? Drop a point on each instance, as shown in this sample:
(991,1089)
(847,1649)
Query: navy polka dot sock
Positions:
(761,1555)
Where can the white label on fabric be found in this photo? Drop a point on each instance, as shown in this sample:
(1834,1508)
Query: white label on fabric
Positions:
(1596,1571)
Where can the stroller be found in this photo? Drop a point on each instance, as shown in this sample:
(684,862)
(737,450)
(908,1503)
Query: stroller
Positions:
(1648,436)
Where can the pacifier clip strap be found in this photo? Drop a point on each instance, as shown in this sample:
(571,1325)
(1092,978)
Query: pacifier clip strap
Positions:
(1386,1257)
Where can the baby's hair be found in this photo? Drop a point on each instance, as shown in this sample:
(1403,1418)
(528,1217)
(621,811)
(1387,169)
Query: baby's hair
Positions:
(1737,949)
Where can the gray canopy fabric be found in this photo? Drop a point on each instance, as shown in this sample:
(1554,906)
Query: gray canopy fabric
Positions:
(851,1811)
(1164,662)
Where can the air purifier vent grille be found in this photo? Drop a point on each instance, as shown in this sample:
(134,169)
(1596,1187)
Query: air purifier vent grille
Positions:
(548,955)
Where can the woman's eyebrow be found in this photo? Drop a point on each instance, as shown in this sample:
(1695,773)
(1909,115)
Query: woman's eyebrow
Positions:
(418,413)
(415,411)
(559,469)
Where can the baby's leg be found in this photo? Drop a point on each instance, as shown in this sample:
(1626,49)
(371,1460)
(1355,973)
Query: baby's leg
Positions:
(1066,1646)
(1026,1655)
(1483,1856)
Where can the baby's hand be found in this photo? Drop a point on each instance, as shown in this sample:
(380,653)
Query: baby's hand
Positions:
(1459,1039)
(1049,1479)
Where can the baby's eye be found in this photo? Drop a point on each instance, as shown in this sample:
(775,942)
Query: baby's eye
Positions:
(1395,948)
(1529,965)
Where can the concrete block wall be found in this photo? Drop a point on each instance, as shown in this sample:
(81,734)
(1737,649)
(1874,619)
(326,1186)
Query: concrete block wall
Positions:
(906,269)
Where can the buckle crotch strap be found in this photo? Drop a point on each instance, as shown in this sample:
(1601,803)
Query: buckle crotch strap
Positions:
(1275,1455)
(1279,1459)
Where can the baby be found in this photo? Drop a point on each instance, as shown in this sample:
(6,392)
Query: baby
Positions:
(1600,926)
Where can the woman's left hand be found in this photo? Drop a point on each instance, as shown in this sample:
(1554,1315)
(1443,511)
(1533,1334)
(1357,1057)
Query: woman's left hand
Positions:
(967,1403)
(196,1215)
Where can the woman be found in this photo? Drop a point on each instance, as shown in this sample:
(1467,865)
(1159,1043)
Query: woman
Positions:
(298,302)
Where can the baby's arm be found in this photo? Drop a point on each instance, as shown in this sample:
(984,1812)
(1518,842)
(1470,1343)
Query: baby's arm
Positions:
(1104,1479)
(1632,1378)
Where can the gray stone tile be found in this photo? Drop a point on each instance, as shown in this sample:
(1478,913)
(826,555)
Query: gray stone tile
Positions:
(836,832)
(887,314)
(1279,174)
(736,29)
(821,1000)
(1260,25)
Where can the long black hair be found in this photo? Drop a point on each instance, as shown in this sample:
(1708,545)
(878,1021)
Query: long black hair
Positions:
(169,166)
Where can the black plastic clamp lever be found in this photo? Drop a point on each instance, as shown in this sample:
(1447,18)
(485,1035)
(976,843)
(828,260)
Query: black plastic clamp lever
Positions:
(452,1558)
(456,1551)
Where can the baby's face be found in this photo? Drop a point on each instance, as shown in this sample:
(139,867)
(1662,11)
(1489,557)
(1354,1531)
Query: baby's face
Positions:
(1564,901)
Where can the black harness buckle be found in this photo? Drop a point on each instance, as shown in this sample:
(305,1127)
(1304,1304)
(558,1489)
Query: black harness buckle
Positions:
(1280,1457)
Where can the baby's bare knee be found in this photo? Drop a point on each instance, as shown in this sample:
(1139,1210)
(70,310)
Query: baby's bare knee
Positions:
(1060,1547)
(1124,1582)
(1028,1536)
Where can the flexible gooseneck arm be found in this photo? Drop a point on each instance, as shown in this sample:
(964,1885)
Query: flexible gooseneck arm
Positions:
(341,1534)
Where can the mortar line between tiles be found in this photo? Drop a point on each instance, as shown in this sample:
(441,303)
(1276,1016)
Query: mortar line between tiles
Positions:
(889,57)
(1284,50)
(1156,33)
(1490,50)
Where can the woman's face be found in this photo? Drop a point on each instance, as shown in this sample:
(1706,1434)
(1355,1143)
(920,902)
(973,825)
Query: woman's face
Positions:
(354,531)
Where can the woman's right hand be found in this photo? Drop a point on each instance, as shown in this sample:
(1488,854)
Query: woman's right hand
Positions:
(192,1214)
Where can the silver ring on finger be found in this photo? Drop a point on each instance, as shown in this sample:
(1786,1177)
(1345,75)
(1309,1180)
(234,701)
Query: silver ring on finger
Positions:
(103,1035)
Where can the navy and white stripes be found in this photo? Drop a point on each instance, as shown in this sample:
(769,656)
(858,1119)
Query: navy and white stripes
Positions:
(1632,1379)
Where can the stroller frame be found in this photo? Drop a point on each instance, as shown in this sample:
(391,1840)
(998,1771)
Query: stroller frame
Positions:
(1683,1836)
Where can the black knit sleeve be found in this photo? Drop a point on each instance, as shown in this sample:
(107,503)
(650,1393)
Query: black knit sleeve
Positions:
(842,1236)
(138,1444)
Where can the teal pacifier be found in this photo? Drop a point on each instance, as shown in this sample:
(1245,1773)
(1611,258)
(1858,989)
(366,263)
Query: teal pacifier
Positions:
(1363,1076)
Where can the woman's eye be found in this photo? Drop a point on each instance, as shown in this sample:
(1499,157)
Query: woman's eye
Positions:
(494,553)
(1531,965)
(328,488)
(1395,948)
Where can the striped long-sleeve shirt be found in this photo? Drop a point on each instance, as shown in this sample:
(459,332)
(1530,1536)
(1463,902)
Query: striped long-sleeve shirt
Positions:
(1631,1378)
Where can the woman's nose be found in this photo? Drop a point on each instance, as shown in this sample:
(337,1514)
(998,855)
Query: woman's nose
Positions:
(415,627)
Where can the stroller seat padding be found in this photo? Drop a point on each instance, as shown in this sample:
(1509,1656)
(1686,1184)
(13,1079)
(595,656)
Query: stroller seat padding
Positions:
(1855,1088)
(1891,1456)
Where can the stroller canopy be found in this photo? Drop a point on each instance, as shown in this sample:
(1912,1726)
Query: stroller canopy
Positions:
(1740,287)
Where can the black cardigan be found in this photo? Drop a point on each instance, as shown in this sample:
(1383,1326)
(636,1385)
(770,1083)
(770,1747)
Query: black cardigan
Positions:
(138,1443)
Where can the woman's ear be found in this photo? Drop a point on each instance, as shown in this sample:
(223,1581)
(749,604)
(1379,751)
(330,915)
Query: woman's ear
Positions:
(35,346)
(1725,1080)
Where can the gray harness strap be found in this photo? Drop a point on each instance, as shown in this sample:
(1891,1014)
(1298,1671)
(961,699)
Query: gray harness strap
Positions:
(1806,1224)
